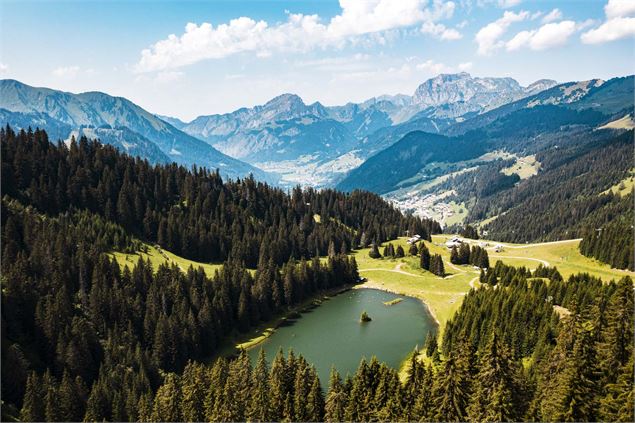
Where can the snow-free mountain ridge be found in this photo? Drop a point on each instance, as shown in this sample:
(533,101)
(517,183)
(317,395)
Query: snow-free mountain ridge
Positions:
(114,120)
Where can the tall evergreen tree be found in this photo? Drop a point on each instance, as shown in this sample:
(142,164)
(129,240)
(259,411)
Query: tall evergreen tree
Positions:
(259,407)
(496,388)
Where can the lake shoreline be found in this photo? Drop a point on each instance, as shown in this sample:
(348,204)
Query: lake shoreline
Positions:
(380,287)
(263,334)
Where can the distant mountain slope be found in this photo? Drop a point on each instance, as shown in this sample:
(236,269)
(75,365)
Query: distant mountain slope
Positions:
(305,142)
(382,172)
(607,97)
(177,123)
(565,199)
(125,140)
(95,109)
(523,128)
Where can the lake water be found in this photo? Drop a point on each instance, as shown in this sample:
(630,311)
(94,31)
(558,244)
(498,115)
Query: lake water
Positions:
(331,334)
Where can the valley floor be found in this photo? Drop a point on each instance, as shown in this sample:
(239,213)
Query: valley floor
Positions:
(443,296)
(403,276)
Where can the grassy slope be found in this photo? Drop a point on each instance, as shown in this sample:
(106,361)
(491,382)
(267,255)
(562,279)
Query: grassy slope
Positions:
(444,295)
(525,167)
(403,276)
(156,258)
(623,187)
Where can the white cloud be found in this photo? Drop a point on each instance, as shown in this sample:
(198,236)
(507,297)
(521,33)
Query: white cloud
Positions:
(4,69)
(506,4)
(433,67)
(547,36)
(611,30)
(554,15)
(440,31)
(300,33)
(464,67)
(488,37)
(619,8)
(69,72)
(619,24)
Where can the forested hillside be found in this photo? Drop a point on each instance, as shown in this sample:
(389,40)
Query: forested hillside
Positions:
(84,339)
(194,213)
(71,316)
(566,199)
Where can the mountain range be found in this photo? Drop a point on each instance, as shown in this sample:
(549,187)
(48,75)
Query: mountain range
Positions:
(383,144)
(316,144)
(114,120)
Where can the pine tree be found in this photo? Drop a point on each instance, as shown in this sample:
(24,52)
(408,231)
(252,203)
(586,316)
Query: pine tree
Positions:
(315,400)
(450,392)
(391,250)
(335,399)
(400,252)
(33,403)
(424,261)
(167,401)
(374,252)
(278,388)
(70,403)
(580,381)
(431,344)
(144,407)
(259,406)
(193,384)
(52,412)
(617,404)
(216,385)
(496,388)
(436,265)
(454,256)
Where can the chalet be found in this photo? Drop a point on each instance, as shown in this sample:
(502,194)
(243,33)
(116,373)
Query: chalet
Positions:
(454,242)
(415,238)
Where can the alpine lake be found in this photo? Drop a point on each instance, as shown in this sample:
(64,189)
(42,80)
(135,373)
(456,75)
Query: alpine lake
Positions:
(331,334)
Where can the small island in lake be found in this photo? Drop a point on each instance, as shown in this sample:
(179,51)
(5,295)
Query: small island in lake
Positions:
(364,317)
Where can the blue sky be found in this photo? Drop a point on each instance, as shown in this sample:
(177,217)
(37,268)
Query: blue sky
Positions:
(186,59)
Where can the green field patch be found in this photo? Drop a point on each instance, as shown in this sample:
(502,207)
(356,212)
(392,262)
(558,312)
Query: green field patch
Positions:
(159,256)
(624,187)
(525,167)
(564,255)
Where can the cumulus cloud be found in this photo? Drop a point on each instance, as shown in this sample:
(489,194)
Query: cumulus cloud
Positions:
(4,69)
(488,37)
(298,33)
(464,67)
(66,71)
(619,8)
(433,67)
(554,15)
(440,31)
(547,36)
(619,23)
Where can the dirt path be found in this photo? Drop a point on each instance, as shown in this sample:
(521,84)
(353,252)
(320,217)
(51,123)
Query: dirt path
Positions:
(472,282)
(566,241)
(458,269)
(397,269)
(545,262)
